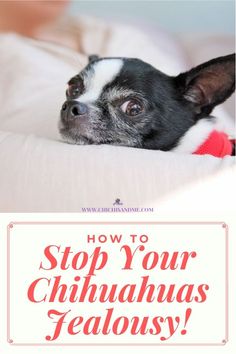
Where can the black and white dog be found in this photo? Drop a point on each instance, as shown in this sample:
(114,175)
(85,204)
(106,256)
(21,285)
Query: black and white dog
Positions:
(124,101)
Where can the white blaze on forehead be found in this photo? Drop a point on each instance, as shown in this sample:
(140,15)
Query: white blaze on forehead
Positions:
(104,72)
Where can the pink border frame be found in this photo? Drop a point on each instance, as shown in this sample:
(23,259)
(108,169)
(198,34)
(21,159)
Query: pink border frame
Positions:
(222,224)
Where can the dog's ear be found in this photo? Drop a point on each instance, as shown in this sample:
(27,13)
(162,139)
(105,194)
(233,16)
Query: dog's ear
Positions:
(93,57)
(208,84)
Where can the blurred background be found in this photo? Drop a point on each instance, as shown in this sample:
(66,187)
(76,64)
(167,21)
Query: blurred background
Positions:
(211,16)
(190,31)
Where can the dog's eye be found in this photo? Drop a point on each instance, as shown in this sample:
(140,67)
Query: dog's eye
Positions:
(75,89)
(132,107)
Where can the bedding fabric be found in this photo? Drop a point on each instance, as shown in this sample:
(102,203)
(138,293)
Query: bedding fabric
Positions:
(40,173)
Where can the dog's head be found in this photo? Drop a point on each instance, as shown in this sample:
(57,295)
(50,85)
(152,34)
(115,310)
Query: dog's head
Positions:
(124,101)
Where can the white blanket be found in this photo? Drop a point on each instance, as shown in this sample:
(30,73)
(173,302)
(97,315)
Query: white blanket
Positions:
(41,173)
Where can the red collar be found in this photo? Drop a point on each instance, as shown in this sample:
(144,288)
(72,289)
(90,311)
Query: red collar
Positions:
(217,144)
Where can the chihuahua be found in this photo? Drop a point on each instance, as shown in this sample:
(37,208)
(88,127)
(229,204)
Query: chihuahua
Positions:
(125,101)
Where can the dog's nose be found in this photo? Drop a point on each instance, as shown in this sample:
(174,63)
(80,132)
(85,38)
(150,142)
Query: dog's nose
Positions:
(78,109)
(72,109)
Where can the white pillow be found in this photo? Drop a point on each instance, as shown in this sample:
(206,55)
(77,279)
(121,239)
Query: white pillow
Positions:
(40,175)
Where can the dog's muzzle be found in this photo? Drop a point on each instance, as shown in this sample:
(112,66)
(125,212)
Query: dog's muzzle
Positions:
(73,110)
